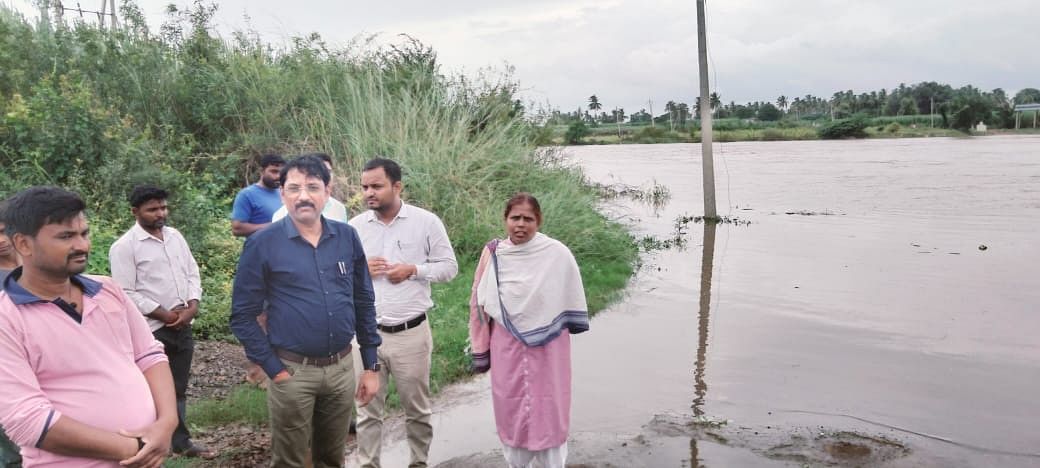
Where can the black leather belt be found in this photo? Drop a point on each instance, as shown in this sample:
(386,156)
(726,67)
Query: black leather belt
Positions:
(312,361)
(403,326)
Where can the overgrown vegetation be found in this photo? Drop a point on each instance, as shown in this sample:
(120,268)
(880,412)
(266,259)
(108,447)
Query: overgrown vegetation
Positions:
(927,98)
(848,128)
(99,111)
(923,109)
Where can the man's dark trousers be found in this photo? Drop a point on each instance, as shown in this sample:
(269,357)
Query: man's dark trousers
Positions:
(180,345)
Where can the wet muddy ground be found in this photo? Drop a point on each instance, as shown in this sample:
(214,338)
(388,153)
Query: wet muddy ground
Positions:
(880,309)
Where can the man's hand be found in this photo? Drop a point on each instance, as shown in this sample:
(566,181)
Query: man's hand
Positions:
(367,388)
(185,314)
(281,376)
(163,315)
(400,272)
(377,266)
(156,438)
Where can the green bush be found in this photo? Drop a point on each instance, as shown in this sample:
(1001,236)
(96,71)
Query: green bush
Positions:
(100,111)
(575,132)
(847,128)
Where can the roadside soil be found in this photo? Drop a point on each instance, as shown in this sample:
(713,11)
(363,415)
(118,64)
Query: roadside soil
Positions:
(217,368)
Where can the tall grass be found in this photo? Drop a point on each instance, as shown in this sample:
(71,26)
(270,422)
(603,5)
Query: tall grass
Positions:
(192,112)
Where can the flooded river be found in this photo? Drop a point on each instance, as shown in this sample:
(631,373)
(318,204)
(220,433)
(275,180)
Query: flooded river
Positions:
(881,308)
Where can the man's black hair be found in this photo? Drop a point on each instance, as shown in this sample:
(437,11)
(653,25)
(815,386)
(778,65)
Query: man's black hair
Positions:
(309,165)
(392,170)
(145,193)
(271,160)
(322,156)
(32,208)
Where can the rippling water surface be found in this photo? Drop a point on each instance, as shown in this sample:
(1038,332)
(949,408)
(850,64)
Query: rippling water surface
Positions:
(889,288)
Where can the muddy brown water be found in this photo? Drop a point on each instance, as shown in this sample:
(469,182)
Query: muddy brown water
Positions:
(855,321)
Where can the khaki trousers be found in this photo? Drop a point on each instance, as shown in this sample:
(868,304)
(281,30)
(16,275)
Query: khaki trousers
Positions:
(405,356)
(311,409)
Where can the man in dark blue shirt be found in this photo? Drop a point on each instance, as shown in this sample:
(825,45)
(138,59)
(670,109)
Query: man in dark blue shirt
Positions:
(314,277)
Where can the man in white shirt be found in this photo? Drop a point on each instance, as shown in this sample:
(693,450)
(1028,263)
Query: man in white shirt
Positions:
(154,266)
(407,249)
(334,209)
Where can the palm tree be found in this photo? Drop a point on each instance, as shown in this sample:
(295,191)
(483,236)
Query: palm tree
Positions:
(781,102)
(684,111)
(714,101)
(671,107)
(594,104)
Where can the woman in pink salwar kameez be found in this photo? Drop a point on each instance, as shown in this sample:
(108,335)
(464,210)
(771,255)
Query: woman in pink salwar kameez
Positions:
(527,300)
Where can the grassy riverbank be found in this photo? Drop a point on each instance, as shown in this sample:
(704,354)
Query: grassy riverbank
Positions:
(100,111)
(732,130)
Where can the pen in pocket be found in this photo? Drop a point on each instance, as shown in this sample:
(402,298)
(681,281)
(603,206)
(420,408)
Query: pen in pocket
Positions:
(342,268)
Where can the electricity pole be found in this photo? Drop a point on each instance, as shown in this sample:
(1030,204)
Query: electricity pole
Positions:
(708,163)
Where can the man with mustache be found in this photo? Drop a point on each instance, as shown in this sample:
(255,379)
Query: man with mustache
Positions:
(8,261)
(313,275)
(407,249)
(255,205)
(334,209)
(155,267)
(84,382)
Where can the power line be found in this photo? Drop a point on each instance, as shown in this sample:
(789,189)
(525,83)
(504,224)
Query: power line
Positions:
(108,9)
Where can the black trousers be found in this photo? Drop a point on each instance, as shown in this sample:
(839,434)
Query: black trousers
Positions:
(9,456)
(180,346)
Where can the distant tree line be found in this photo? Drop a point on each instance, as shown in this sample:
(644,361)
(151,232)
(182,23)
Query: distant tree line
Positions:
(959,108)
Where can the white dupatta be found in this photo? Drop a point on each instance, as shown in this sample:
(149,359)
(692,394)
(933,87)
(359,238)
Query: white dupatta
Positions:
(534,290)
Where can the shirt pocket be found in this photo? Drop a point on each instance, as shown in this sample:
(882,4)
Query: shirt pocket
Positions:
(342,272)
(411,252)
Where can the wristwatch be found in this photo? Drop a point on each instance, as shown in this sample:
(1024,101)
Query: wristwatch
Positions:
(374,367)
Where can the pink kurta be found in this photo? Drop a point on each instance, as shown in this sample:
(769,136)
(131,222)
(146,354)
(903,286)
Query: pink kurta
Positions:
(531,390)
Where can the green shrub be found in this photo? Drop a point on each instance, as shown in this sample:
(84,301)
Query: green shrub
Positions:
(657,135)
(100,111)
(847,128)
(575,132)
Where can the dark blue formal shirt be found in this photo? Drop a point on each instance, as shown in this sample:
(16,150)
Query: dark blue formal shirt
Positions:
(317,298)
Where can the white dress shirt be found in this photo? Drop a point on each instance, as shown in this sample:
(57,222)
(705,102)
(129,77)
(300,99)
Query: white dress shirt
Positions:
(155,271)
(416,237)
(334,210)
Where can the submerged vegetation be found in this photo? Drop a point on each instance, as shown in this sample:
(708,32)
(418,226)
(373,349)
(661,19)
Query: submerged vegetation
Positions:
(99,111)
(679,236)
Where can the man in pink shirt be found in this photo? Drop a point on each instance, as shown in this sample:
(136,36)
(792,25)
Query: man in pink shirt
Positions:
(84,382)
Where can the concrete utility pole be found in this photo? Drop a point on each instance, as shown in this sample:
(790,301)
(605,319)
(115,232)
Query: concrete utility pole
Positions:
(651,103)
(115,17)
(617,119)
(931,112)
(707,161)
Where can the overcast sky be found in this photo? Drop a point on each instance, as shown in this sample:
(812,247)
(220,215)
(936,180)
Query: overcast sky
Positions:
(628,52)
